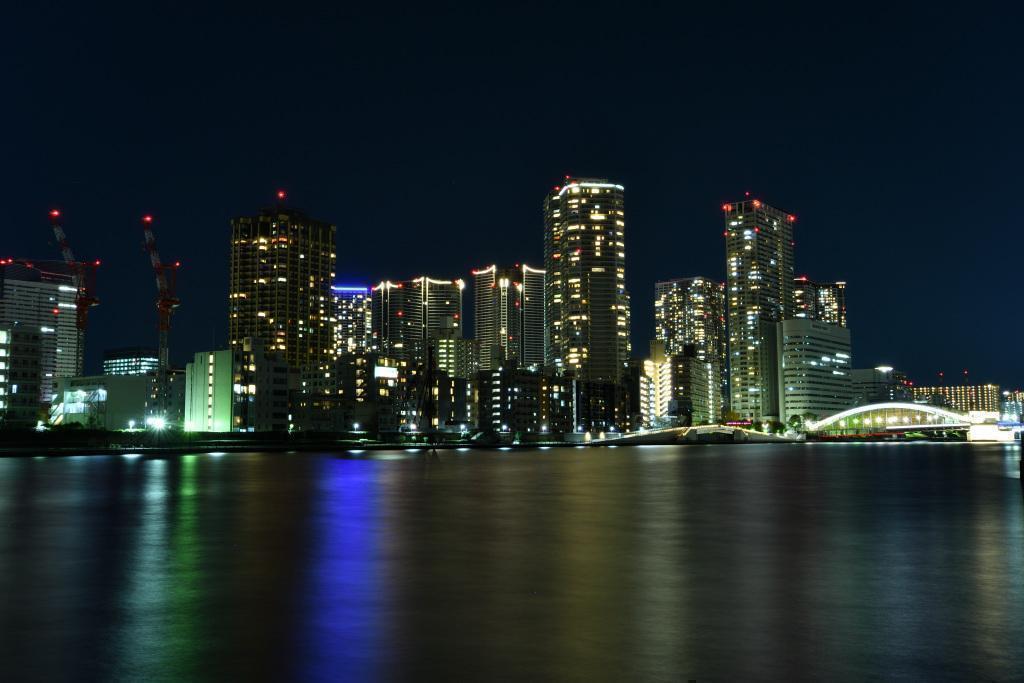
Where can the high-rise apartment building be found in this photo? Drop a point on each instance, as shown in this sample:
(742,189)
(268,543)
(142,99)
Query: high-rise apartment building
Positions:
(814,369)
(406,315)
(134,360)
(691,312)
(41,297)
(823,301)
(585,295)
(509,315)
(111,402)
(352,318)
(759,283)
(282,268)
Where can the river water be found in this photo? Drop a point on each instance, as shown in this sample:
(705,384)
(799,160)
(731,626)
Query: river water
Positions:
(718,562)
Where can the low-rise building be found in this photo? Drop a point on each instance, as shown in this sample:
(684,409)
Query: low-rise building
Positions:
(358,391)
(1011,407)
(245,389)
(134,360)
(524,400)
(110,402)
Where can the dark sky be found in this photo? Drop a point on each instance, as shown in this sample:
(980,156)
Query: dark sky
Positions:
(430,137)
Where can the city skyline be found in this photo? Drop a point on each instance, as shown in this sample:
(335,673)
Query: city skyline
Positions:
(95,354)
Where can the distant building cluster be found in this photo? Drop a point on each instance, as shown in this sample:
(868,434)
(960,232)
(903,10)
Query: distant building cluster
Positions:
(548,351)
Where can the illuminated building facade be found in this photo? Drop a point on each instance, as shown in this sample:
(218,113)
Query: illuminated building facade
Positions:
(586,302)
(654,387)
(1011,406)
(514,401)
(242,389)
(135,360)
(964,398)
(406,315)
(814,369)
(355,392)
(111,402)
(20,358)
(822,301)
(41,297)
(509,315)
(456,356)
(759,289)
(352,318)
(692,379)
(691,312)
(282,267)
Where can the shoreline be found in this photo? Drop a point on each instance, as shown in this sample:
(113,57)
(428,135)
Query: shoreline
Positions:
(350,447)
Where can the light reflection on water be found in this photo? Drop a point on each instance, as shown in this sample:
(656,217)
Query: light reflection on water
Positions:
(828,561)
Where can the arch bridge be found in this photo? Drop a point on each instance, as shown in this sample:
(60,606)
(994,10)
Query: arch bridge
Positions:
(890,418)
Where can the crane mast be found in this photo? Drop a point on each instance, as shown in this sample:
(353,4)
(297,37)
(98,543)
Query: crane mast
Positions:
(166,302)
(84,276)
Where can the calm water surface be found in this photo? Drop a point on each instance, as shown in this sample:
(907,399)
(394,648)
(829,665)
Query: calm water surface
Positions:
(829,561)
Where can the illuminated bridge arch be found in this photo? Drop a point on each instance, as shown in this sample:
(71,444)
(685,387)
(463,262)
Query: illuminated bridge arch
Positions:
(889,417)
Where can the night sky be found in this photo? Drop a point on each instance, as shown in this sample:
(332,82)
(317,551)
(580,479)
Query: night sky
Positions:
(430,138)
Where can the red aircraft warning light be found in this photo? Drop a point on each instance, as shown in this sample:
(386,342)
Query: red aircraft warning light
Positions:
(281,194)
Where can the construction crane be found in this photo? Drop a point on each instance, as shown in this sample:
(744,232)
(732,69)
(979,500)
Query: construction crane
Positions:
(166,302)
(84,276)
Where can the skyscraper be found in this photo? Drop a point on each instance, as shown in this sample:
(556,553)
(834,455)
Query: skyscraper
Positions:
(352,318)
(691,312)
(41,297)
(406,315)
(509,315)
(585,296)
(533,317)
(822,301)
(282,268)
(759,279)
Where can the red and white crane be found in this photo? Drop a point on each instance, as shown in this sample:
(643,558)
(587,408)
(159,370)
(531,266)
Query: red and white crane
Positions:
(166,301)
(84,275)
